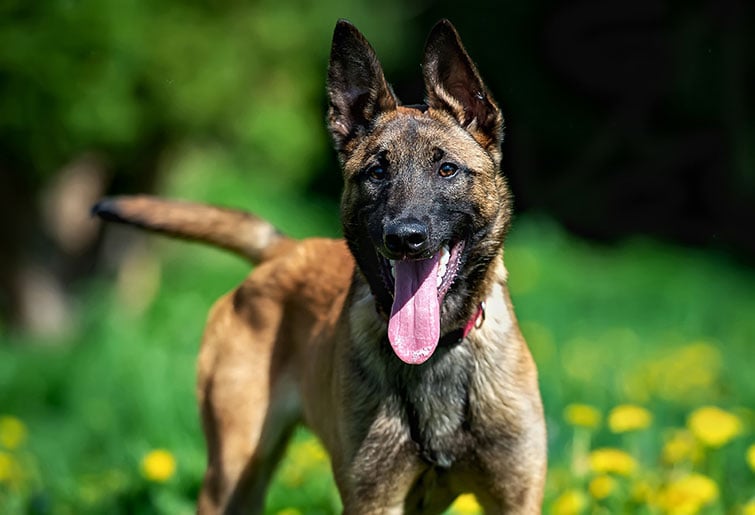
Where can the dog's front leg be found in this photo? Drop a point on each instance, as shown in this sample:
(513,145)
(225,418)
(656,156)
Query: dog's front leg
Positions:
(512,472)
(379,474)
(379,485)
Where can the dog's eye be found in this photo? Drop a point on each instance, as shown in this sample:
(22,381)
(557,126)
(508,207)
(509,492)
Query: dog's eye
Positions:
(447,170)
(377,173)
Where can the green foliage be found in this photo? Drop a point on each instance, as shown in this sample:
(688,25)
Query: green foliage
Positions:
(133,78)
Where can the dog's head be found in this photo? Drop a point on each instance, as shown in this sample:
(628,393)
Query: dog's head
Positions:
(425,206)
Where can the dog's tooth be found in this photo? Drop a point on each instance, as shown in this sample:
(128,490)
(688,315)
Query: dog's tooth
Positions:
(393,268)
(444,257)
(442,270)
(438,281)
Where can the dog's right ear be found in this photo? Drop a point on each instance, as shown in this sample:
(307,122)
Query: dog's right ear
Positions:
(357,90)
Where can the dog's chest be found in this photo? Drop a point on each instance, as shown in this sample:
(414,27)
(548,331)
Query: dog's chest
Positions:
(430,402)
(434,402)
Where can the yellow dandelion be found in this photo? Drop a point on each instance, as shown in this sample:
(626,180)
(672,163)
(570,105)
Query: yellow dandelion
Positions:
(291,475)
(289,511)
(582,415)
(751,457)
(12,432)
(681,446)
(629,417)
(688,494)
(158,465)
(609,460)
(309,453)
(681,374)
(749,508)
(601,486)
(713,426)
(466,504)
(571,502)
(693,369)
(8,467)
(305,456)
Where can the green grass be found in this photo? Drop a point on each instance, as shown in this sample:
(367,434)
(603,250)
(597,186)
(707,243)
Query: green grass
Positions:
(663,327)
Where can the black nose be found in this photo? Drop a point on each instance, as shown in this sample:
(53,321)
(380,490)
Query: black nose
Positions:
(406,237)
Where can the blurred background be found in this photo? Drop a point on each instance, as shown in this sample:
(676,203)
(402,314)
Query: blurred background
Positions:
(630,149)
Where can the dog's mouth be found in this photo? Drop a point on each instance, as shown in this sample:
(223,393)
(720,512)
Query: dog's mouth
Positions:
(419,287)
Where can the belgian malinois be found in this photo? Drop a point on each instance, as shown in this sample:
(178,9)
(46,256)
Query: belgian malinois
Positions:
(398,347)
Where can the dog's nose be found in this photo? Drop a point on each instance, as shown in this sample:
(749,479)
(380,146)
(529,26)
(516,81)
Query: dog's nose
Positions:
(406,238)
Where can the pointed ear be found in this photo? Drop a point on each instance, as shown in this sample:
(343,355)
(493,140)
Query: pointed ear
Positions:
(357,90)
(453,85)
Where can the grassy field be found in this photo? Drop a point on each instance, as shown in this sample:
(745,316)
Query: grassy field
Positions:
(644,351)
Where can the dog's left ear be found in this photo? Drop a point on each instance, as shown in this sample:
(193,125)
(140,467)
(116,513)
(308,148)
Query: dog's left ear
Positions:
(454,85)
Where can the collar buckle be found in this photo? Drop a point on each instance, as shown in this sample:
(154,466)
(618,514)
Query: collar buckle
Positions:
(475,322)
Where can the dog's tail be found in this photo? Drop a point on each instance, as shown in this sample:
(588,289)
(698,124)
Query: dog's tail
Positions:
(238,231)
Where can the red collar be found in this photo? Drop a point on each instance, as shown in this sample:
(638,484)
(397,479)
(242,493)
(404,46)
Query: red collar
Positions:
(475,322)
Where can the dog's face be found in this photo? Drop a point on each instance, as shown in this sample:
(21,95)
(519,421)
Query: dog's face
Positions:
(425,207)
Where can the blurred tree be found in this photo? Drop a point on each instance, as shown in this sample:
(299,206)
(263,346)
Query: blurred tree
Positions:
(131,84)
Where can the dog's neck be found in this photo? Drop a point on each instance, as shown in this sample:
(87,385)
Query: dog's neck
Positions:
(475,322)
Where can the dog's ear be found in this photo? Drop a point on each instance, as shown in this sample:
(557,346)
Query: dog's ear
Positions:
(357,90)
(454,85)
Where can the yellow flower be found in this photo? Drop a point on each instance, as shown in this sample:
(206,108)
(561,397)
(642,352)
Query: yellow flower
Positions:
(749,508)
(679,447)
(582,415)
(289,511)
(751,457)
(609,460)
(688,494)
(629,417)
(8,467)
(12,432)
(308,453)
(304,457)
(688,373)
(713,426)
(158,465)
(570,502)
(601,486)
(466,504)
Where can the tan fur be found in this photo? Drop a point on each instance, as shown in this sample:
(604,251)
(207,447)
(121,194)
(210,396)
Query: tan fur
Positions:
(276,352)
(238,231)
(303,338)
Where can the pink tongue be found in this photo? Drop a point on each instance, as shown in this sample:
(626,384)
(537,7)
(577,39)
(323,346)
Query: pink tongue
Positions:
(414,326)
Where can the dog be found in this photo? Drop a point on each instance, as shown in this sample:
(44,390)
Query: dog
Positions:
(398,345)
